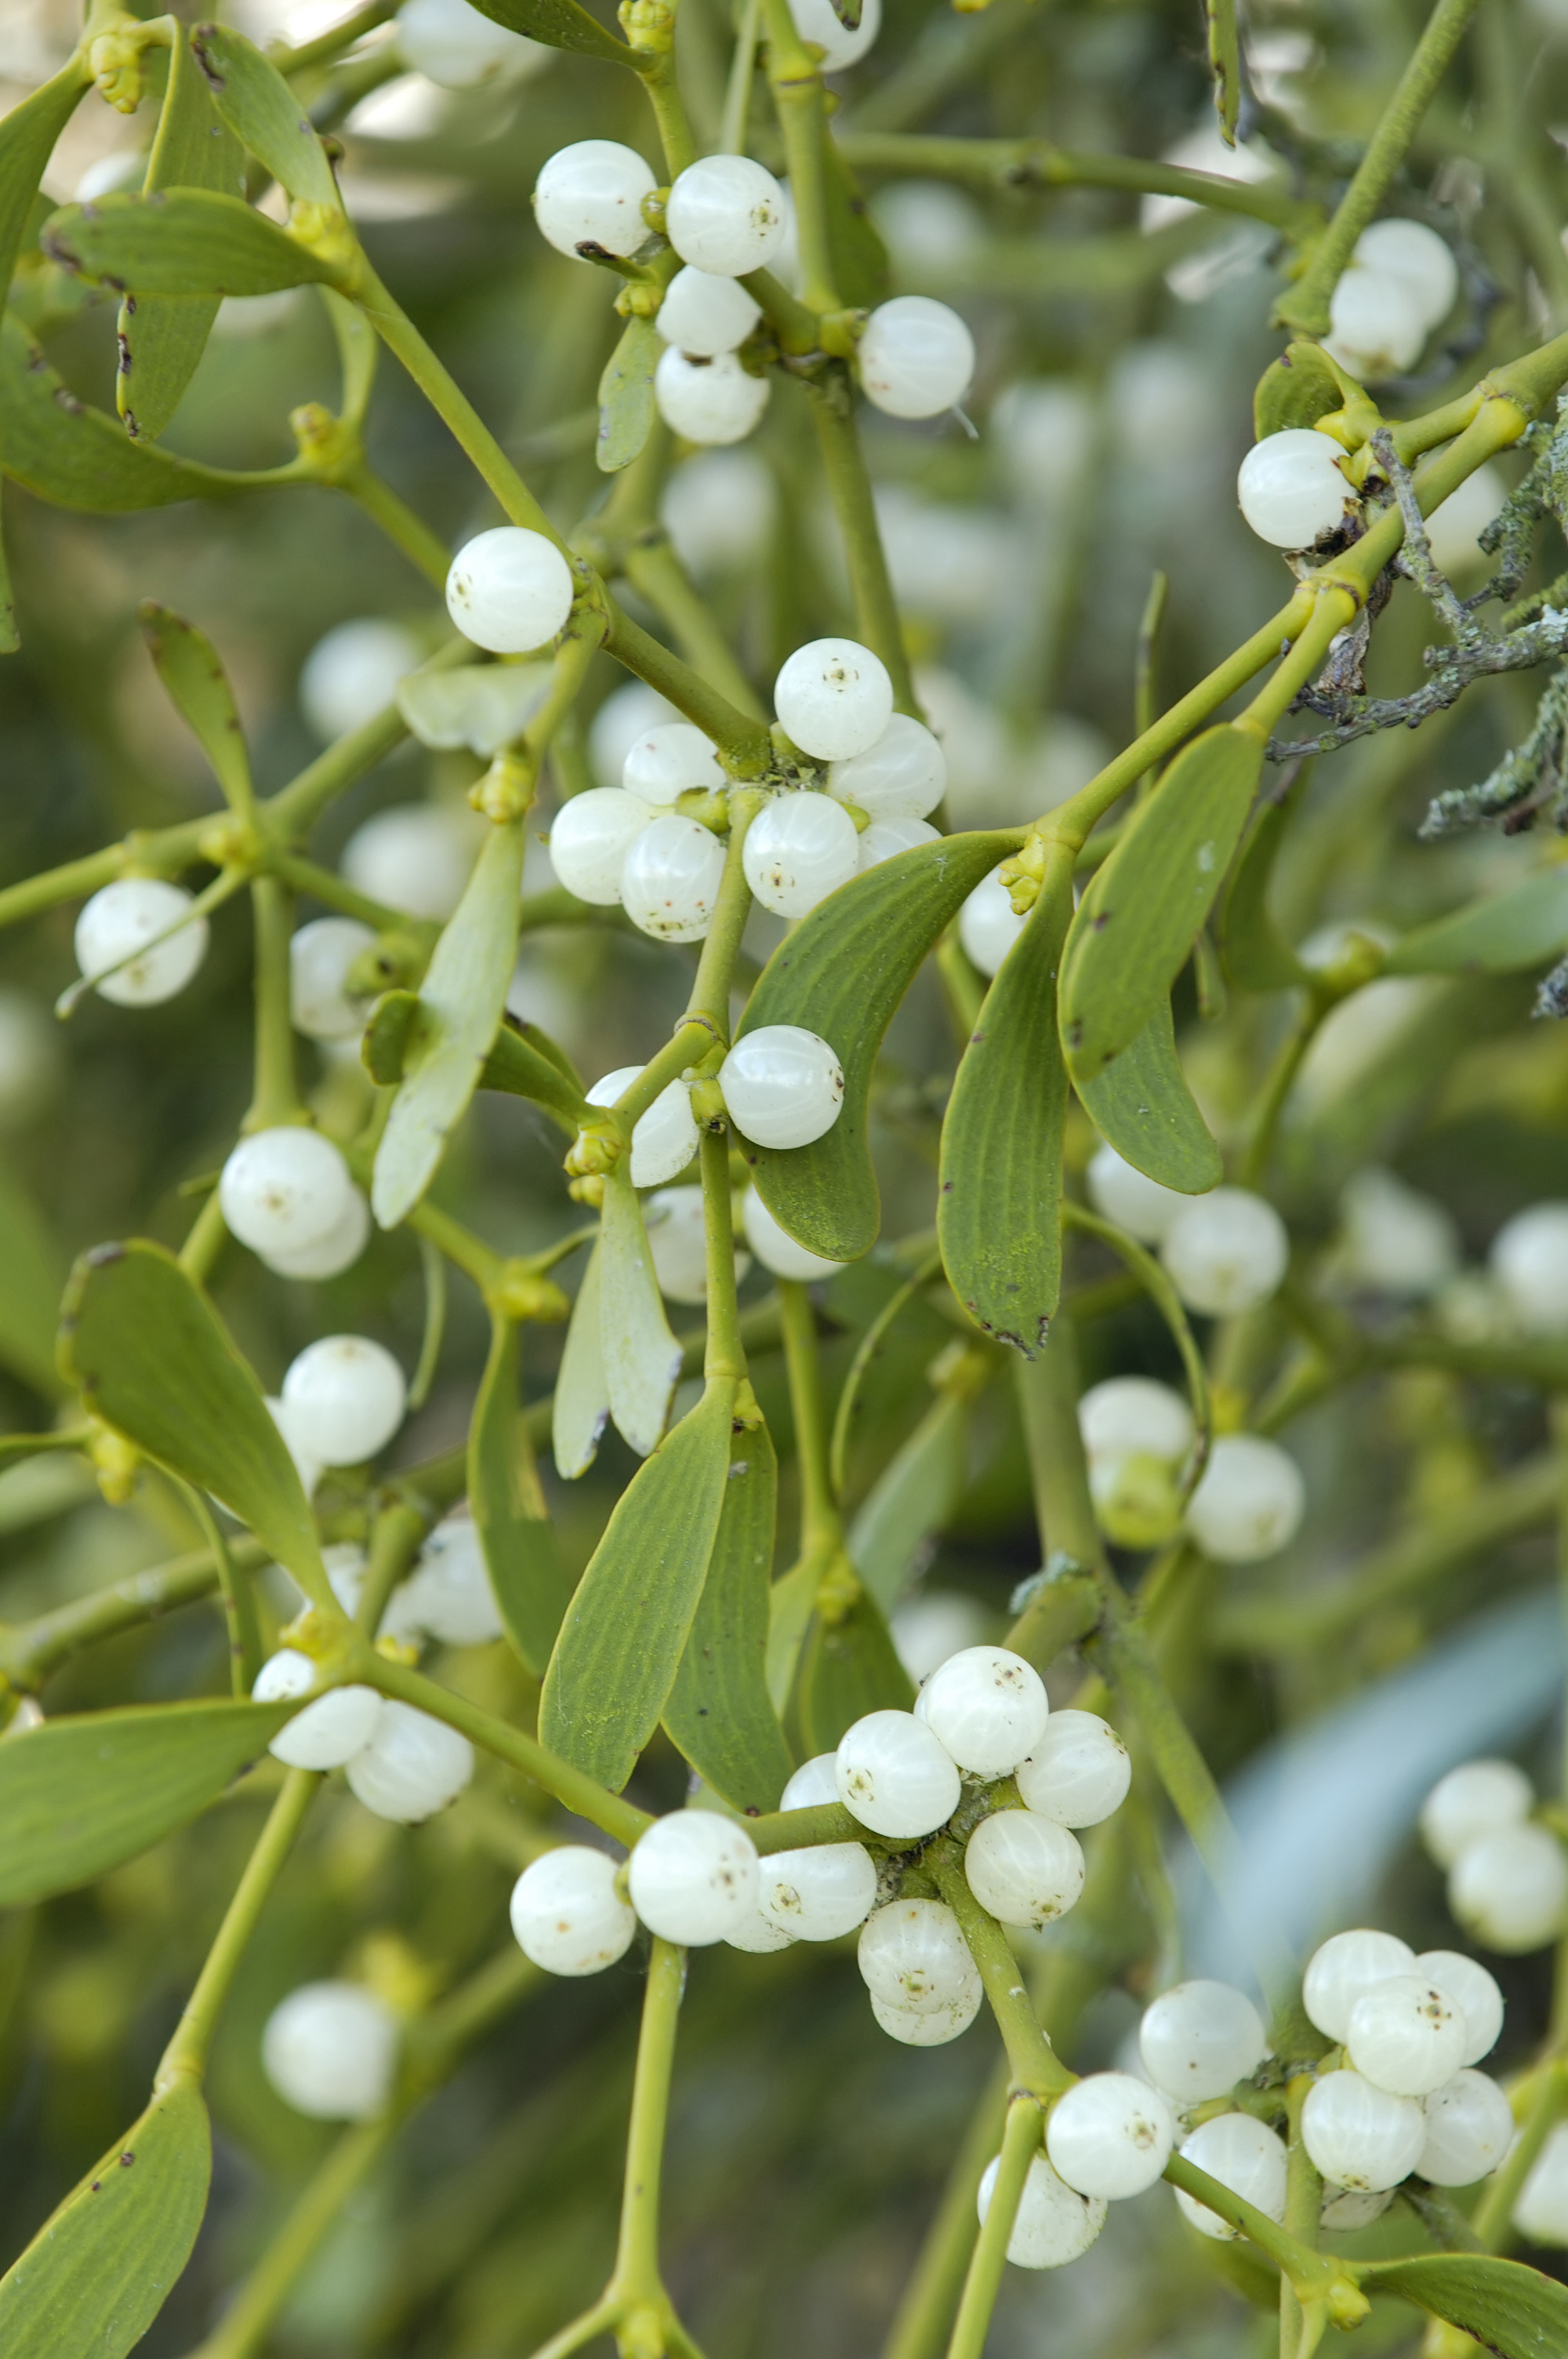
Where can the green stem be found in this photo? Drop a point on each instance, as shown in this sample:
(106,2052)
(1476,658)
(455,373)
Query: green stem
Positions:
(932,2291)
(825,1822)
(461,1247)
(239,1603)
(1035,2071)
(1008,164)
(742,73)
(1150,1276)
(396,1538)
(832,399)
(322,884)
(651,567)
(657,69)
(1020,2144)
(1314,2276)
(709,1001)
(796,80)
(1493,2217)
(342,36)
(1304,2203)
(725,1355)
(636,2275)
(31,1652)
(1333,608)
(745,744)
(1277,1085)
(275,1098)
(424,550)
(1048,1388)
(204,1241)
(820,1526)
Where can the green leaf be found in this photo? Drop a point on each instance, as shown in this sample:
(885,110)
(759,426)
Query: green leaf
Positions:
(80,1794)
(912,1499)
(641,1358)
(581,1409)
(1511,2309)
(1143,1105)
(1253,952)
(1297,390)
(188,664)
(460,1004)
(27,136)
(1000,1180)
(262,112)
(514,1523)
(519,1063)
(482,706)
(626,396)
(859,256)
(150,1356)
(163,337)
(1224,63)
(849,1668)
(561,24)
(620,1644)
(1522,927)
(102,2266)
(179,241)
(1142,906)
(32,1272)
(841,973)
(719,1712)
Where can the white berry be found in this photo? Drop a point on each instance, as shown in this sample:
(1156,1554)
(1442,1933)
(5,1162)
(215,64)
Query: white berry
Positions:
(928,2027)
(818,1894)
(447,1594)
(1407,2036)
(509,590)
(1025,1869)
(567,1914)
(1341,1968)
(1362,2138)
(1346,2209)
(1541,2210)
(114,929)
(283,1191)
(1530,1260)
(886,838)
(777,1250)
(712,402)
(1469,2128)
(327,1732)
(455,46)
(1291,489)
(1134,1201)
(705,315)
(663,1140)
(758,1935)
(693,1877)
(591,194)
(1199,2039)
(912,1954)
(1418,257)
(328,1257)
(319,957)
(1244,2155)
(725,214)
(1394,1241)
(1476,1799)
(1127,1414)
(620,721)
(330,2049)
(670,879)
(1110,2136)
(1476,1992)
(894,1777)
(986,1706)
(834,699)
(669,759)
(678,1240)
(412,1768)
(1227,1252)
(1376,324)
(349,1394)
(1249,1500)
(916,357)
(718,509)
(841,45)
(1054,2223)
(903,776)
(783,1086)
(1510,1888)
(987,924)
(815,1783)
(798,849)
(589,838)
(414,858)
(1078,1773)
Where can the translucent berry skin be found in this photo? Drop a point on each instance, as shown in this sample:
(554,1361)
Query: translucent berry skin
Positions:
(1346,2209)
(783,1086)
(1341,1968)
(1134,1413)
(710,402)
(916,357)
(1078,1773)
(903,776)
(798,849)
(414,857)
(818,1894)
(670,879)
(1249,1500)
(1510,1888)
(912,1954)
(448,1595)
(282,1191)
(327,1732)
(1409,251)
(705,315)
(725,214)
(620,721)
(1530,1259)
(352,673)
(349,1394)
(987,924)
(1025,1869)
(1540,2212)
(834,699)
(1054,2223)
(886,838)
(118,921)
(1244,2155)
(1407,2036)
(412,1768)
(679,1242)
(813,1784)
(337,1251)
(928,2026)
(669,759)
(1198,2039)
(591,194)
(1469,2129)
(1289,488)
(1476,1990)
(1135,1202)
(663,1140)
(567,1914)
(1363,2137)
(1227,1252)
(894,1777)
(841,45)
(1110,2136)
(777,1250)
(1476,1799)
(589,838)
(455,46)
(694,1879)
(329,2050)
(319,957)
(1376,324)
(987,1707)
(509,590)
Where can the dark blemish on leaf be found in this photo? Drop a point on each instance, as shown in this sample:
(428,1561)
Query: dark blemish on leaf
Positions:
(122,345)
(127,2158)
(130,307)
(1098,923)
(69,402)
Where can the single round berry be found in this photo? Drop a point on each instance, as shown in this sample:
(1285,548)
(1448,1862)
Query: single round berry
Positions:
(455,48)
(589,838)
(1134,1201)
(693,1877)
(711,402)
(1128,1414)
(776,1249)
(759,1936)
(987,1707)
(1227,1252)
(414,858)
(782,1086)
(353,675)
(1530,1260)
(1054,2223)
(834,699)
(725,214)
(669,759)
(1244,2155)
(916,357)
(663,1140)
(1342,1968)
(1078,1773)
(928,2026)
(447,1594)
(327,1732)
(894,1777)
(620,721)
(1249,1500)
(509,590)
(720,509)
(283,1191)
(903,776)
(1198,2039)
(1418,257)
(820,1894)
(1541,2209)
(319,957)
(886,838)
(1362,2138)
(1469,2129)
(678,1240)
(1291,489)
(118,929)
(1474,1991)
(670,879)
(567,1914)
(1376,324)
(912,1954)
(815,1782)
(841,45)
(412,1768)
(798,849)
(934,1624)
(1110,2136)
(1025,1869)
(1393,1241)
(1510,1888)
(705,315)
(331,2051)
(1407,2036)
(350,1396)
(987,924)
(1478,1798)
(591,194)
(1136,1500)
(1345,2208)
(328,1257)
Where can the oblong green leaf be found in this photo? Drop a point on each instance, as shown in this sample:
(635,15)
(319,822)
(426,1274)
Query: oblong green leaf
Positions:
(27,136)
(1295,390)
(262,112)
(1142,1104)
(580,1410)
(1507,2306)
(626,396)
(720,1712)
(1144,903)
(1001,1177)
(186,663)
(460,1004)
(103,2265)
(150,1355)
(520,1064)
(842,974)
(849,1668)
(33,1273)
(1253,952)
(860,260)
(615,1660)
(912,1499)
(1522,927)
(642,1359)
(179,241)
(508,1511)
(559,23)
(80,1794)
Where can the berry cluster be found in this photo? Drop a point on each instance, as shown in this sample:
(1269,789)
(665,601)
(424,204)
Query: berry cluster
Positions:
(1507,1875)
